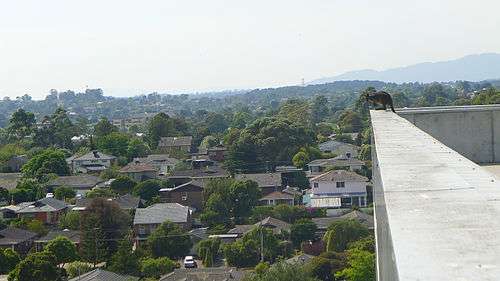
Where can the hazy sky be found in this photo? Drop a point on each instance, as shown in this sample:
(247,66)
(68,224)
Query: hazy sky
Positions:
(127,47)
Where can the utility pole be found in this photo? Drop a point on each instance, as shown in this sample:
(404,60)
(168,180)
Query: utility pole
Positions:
(261,241)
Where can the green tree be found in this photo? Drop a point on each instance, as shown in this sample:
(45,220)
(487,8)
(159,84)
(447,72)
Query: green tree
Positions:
(161,125)
(241,253)
(245,196)
(282,272)
(302,230)
(350,121)
(360,261)
(298,111)
(208,250)
(63,249)
(149,189)
(104,128)
(123,185)
(341,233)
(155,268)
(64,192)
(125,260)
(41,266)
(8,260)
(77,268)
(49,161)
(70,220)
(114,143)
(37,226)
(169,240)
(21,124)
(137,148)
(100,193)
(325,266)
(300,159)
(320,110)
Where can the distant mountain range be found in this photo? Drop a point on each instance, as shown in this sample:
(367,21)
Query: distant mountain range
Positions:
(470,68)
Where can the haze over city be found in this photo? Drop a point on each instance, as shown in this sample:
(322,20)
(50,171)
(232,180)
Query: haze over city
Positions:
(130,47)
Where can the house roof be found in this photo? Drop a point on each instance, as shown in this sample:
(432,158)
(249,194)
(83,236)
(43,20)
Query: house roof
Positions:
(44,205)
(299,259)
(340,175)
(138,168)
(214,171)
(103,275)
(276,225)
(175,141)
(365,219)
(195,183)
(77,182)
(13,236)
(278,195)
(73,235)
(94,155)
(333,145)
(125,202)
(205,274)
(161,212)
(262,179)
(335,162)
(9,180)
(157,158)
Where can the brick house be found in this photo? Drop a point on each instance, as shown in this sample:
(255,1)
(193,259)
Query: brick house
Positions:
(188,194)
(47,210)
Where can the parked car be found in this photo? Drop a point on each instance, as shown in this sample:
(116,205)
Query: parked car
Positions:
(189,262)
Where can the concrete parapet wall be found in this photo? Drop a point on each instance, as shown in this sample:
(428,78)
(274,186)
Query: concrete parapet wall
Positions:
(473,131)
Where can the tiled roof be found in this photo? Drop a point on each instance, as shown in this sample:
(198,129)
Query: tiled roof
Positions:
(333,145)
(13,236)
(263,179)
(44,205)
(365,219)
(214,171)
(103,275)
(9,180)
(337,161)
(157,158)
(205,274)
(276,195)
(126,202)
(276,225)
(175,141)
(77,182)
(138,168)
(161,212)
(72,235)
(340,175)
(95,155)
(196,183)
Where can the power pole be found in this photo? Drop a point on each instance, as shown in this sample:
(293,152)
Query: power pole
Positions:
(261,241)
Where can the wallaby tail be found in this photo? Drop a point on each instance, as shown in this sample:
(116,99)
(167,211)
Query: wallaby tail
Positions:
(391,105)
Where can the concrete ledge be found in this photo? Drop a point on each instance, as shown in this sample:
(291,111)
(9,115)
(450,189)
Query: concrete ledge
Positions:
(437,213)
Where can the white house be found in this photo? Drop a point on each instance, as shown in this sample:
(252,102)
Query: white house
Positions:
(348,186)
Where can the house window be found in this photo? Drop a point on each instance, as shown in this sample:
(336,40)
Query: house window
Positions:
(315,185)
(340,184)
(184,196)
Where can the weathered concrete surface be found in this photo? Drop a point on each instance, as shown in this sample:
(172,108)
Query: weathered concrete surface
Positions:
(473,131)
(437,213)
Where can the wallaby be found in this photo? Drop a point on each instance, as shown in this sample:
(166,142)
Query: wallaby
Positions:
(382,98)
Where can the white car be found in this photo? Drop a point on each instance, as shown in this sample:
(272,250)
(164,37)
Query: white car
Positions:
(189,262)
(49,195)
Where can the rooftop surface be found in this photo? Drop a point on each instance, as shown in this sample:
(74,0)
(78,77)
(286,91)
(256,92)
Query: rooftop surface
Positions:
(436,211)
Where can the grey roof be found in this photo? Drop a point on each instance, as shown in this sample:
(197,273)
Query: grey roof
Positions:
(333,145)
(336,162)
(276,225)
(44,205)
(73,235)
(199,233)
(103,275)
(205,274)
(13,236)
(93,155)
(277,195)
(157,159)
(138,168)
(214,171)
(365,219)
(175,141)
(9,180)
(263,179)
(195,183)
(299,259)
(126,202)
(161,212)
(76,182)
(340,175)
